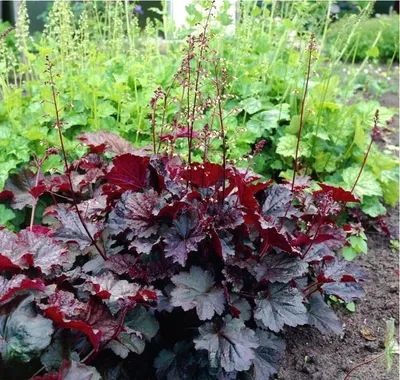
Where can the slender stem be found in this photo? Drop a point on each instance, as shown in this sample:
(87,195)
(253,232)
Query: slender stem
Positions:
(35,201)
(363,165)
(302,112)
(38,371)
(222,129)
(376,119)
(88,355)
(153,127)
(196,86)
(313,240)
(361,364)
(64,154)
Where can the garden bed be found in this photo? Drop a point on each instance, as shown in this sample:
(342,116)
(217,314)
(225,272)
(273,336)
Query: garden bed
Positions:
(311,355)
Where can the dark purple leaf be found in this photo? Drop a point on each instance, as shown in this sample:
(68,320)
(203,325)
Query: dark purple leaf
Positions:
(283,305)
(280,267)
(268,355)
(20,185)
(135,211)
(227,217)
(120,264)
(318,252)
(195,289)
(71,228)
(322,316)
(183,237)
(347,291)
(129,172)
(278,203)
(341,271)
(300,183)
(232,346)
(241,305)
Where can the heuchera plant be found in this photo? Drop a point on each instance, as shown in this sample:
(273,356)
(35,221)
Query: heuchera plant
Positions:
(188,270)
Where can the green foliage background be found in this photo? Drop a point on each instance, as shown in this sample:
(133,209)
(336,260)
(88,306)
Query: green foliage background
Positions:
(109,69)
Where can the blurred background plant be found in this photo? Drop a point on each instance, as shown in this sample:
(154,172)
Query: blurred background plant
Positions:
(111,58)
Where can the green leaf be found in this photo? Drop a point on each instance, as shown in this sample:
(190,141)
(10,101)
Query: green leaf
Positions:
(359,135)
(105,109)
(358,244)
(294,126)
(271,118)
(391,192)
(373,207)
(351,306)
(24,333)
(5,215)
(391,344)
(251,105)
(366,185)
(324,162)
(287,147)
(349,253)
(373,52)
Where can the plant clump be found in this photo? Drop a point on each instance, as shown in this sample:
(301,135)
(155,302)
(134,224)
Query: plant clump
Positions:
(185,268)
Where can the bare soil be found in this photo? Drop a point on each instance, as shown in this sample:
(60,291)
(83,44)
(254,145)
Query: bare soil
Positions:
(312,356)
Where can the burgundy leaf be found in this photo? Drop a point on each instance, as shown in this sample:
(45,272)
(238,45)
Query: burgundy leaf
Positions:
(206,175)
(107,286)
(16,284)
(56,183)
(67,312)
(103,141)
(31,249)
(337,193)
(99,318)
(246,190)
(129,172)
(272,238)
(181,132)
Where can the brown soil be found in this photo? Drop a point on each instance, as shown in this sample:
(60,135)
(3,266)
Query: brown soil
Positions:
(312,356)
